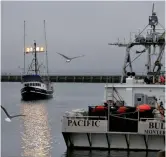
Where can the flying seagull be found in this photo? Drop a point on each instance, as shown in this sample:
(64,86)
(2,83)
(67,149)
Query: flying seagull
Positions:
(9,117)
(68,59)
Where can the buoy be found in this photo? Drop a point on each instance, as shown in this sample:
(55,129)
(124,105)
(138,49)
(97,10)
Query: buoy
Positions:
(100,108)
(122,109)
(143,107)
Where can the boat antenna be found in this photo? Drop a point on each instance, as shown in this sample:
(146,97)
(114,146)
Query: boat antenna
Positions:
(24,47)
(46,48)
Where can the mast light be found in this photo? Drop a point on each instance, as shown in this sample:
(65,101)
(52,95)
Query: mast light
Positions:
(30,49)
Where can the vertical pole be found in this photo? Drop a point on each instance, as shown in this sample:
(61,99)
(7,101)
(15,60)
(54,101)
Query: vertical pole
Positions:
(108,105)
(35,58)
(24,47)
(46,48)
(149,60)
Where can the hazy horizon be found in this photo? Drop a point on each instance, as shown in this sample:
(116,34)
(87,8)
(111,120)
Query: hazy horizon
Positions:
(75,28)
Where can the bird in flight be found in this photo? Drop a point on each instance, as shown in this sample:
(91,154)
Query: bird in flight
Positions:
(68,59)
(9,117)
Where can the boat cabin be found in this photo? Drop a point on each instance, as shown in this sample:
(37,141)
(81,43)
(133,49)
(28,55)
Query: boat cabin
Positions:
(31,78)
(135,92)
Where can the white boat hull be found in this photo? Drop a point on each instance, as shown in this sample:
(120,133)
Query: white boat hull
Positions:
(116,141)
(32,93)
(85,133)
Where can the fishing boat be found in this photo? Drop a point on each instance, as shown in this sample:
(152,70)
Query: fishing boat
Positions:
(34,85)
(133,114)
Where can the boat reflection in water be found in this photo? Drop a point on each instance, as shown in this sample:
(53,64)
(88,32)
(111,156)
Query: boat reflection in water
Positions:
(36,138)
(113,153)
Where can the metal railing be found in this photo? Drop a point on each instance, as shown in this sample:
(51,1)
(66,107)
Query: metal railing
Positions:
(85,117)
(151,119)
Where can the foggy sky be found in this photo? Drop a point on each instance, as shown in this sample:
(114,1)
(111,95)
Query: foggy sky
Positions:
(74,28)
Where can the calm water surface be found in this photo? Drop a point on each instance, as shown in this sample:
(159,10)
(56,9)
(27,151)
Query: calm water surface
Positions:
(39,133)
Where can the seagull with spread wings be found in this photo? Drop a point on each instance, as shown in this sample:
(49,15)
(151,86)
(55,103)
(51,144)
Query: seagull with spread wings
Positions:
(68,59)
(9,117)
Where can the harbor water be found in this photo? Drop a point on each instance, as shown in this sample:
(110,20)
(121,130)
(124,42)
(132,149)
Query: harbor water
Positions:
(39,132)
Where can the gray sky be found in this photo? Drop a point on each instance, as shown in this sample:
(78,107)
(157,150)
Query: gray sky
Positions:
(74,28)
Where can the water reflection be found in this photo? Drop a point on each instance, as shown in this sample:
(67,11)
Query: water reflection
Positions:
(36,138)
(98,153)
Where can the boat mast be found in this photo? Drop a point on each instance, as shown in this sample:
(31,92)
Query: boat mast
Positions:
(153,26)
(46,49)
(35,58)
(24,47)
(34,50)
(153,40)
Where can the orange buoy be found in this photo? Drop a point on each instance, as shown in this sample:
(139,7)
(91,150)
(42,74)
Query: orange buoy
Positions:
(100,108)
(122,109)
(143,107)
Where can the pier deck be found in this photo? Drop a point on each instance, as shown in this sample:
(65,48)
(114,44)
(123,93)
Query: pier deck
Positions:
(71,78)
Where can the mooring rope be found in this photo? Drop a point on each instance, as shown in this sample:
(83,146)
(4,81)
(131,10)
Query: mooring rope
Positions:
(125,118)
(126,113)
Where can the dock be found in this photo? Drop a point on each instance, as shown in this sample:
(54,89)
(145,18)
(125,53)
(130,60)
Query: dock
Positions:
(71,78)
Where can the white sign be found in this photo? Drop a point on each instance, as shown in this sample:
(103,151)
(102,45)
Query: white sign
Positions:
(151,128)
(84,125)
